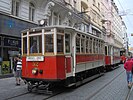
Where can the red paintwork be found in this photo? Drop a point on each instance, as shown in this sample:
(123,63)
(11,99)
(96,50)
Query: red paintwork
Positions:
(68,64)
(107,60)
(116,58)
(53,68)
(89,57)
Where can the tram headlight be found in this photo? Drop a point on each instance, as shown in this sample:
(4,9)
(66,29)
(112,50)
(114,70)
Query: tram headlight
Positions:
(34,71)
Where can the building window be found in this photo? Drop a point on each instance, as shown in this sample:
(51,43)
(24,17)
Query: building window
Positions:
(50,19)
(94,2)
(75,4)
(15,7)
(59,20)
(93,16)
(31,11)
(82,8)
(55,19)
(99,6)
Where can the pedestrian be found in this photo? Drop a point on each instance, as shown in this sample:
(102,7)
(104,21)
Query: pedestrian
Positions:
(33,48)
(18,71)
(123,58)
(14,63)
(128,66)
(15,66)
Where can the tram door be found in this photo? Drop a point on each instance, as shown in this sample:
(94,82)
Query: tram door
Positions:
(68,55)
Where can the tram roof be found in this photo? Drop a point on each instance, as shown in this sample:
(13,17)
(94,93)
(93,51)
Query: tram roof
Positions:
(59,27)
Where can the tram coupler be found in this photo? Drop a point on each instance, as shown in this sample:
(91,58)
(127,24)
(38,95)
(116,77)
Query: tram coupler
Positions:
(45,89)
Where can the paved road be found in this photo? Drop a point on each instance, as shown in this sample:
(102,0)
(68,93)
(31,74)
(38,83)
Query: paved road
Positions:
(111,86)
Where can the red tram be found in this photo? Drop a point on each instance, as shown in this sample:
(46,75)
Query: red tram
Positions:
(61,54)
(112,56)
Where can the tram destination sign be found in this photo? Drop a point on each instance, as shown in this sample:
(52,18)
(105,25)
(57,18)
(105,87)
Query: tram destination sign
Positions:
(34,58)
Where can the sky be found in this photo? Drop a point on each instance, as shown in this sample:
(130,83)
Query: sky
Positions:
(127,6)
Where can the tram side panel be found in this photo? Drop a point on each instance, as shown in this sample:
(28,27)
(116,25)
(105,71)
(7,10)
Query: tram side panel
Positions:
(116,60)
(107,60)
(87,62)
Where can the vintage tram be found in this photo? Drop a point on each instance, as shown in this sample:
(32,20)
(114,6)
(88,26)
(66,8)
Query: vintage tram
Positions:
(112,56)
(63,54)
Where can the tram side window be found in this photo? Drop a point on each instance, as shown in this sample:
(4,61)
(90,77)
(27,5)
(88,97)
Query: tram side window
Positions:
(99,51)
(94,46)
(90,45)
(24,45)
(105,50)
(83,45)
(109,50)
(35,44)
(87,45)
(100,45)
(78,44)
(67,43)
(60,43)
(101,48)
(49,43)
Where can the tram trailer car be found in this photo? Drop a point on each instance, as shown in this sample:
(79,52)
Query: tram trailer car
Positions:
(112,57)
(63,54)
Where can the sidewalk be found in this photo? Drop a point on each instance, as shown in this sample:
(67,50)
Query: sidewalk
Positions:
(6,75)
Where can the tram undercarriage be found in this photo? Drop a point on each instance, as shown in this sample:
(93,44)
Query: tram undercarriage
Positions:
(44,86)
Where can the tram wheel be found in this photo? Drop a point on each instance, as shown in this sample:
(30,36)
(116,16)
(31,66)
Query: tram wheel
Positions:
(29,87)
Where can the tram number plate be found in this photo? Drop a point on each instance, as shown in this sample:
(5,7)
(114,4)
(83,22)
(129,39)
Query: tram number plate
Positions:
(35,58)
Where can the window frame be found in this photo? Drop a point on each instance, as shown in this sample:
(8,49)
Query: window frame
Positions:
(48,33)
(31,11)
(79,40)
(38,48)
(69,43)
(15,7)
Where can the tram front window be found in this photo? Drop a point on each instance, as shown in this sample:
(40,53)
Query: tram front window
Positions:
(35,44)
(60,43)
(49,43)
(24,45)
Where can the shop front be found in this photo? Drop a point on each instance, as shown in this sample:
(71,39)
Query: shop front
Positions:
(10,40)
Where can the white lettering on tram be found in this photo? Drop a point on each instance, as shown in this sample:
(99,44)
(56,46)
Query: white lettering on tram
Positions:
(35,58)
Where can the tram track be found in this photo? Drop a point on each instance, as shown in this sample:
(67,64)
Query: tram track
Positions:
(17,96)
(129,93)
(94,92)
(100,89)
(47,97)
(63,90)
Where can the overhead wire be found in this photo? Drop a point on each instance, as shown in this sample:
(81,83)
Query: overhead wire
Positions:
(125,15)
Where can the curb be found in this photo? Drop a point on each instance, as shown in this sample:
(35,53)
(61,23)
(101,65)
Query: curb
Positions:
(6,76)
